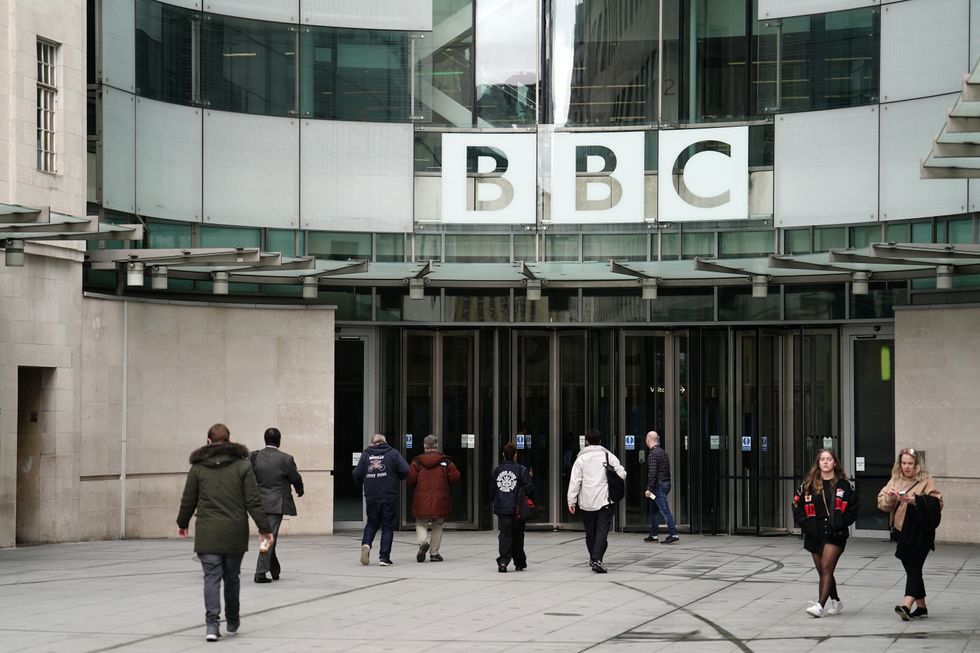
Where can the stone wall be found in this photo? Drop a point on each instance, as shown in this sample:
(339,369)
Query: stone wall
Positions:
(937,371)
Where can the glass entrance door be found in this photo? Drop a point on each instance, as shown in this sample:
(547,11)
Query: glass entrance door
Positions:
(531,367)
(353,388)
(440,398)
(871,419)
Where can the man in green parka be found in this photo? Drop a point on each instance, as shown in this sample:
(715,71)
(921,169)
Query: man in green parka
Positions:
(221,487)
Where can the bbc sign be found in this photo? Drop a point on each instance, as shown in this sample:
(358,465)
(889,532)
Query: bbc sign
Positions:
(595,177)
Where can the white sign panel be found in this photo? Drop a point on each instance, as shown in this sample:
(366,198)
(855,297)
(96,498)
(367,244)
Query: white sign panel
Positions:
(828,443)
(713,174)
(714,441)
(597,177)
(859,464)
(502,167)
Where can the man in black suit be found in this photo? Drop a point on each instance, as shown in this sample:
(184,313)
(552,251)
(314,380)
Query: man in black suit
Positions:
(274,472)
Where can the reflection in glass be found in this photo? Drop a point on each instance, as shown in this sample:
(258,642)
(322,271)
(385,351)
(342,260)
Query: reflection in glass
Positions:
(554,306)
(571,410)
(248,66)
(164,52)
(602,64)
(506,62)
(466,306)
(737,304)
(814,302)
(444,83)
(532,385)
(355,74)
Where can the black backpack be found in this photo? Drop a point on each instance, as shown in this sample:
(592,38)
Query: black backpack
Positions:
(617,486)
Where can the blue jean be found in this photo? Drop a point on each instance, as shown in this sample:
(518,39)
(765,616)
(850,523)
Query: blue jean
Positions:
(659,507)
(380,515)
(221,567)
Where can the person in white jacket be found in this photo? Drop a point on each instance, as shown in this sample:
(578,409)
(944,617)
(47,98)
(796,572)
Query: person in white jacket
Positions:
(589,490)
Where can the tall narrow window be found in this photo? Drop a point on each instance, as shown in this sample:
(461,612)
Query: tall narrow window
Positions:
(47,91)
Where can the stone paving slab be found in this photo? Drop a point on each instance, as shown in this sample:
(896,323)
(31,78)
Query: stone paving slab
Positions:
(704,594)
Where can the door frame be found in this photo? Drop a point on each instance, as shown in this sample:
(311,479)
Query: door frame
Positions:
(369,336)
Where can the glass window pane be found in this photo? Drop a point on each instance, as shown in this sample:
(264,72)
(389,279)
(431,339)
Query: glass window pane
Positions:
(389,247)
(746,243)
(355,74)
(698,244)
(336,246)
(762,145)
(959,231)
(864,236)
(670,242)
(737,304)
(428,151)
(248,66)
(824,238)
(471,248)
(561,247)
(164,51)
(462,306)
(684,305)
(898,232)
(797,241)
(829,60)
(445,88)
(554,306)
(615,306)
(622,247)
(507,62)
(816,302)
(922,232)
(524,249)
(283,241)
(230,237)
(721,88)
(395,305)
(602,64)
(428,247)
(881,300)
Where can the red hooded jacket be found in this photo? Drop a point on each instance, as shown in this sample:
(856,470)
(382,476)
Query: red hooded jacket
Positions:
(430,473)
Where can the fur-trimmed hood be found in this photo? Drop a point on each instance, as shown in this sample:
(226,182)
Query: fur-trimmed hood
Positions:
(217,454)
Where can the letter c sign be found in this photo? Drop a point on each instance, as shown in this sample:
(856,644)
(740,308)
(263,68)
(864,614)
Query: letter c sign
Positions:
(703,174)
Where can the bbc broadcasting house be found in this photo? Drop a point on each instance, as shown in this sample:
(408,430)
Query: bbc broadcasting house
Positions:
(750,225)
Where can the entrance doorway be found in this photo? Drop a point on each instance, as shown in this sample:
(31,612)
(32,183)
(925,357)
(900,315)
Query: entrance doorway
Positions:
(354,360)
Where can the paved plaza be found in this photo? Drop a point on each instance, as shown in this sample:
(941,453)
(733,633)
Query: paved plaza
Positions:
(723,593)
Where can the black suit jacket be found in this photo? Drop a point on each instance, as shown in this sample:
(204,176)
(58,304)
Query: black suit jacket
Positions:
(275,471)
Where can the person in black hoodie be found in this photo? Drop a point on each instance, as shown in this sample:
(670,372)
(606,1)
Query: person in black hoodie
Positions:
(505,482)
(824,507)
(379,470)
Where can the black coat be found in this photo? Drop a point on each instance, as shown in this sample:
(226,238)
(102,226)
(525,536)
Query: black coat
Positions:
(504,482)
(819,527)
(275,471)
(918,533)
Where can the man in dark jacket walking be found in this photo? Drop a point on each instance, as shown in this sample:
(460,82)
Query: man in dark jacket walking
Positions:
(658,487)
(431,473)
(221,488)
(379,470)
(506,481)
(275,471)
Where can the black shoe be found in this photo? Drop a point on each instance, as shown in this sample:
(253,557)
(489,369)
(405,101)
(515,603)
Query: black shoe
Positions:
(903,612)
(435,557)
(597,567)
(919,613)
(650,538)
(275,576)
(502,569)
(670,539)
(262,578)
(520,567)
(232,626)
(385,562)
(423,549)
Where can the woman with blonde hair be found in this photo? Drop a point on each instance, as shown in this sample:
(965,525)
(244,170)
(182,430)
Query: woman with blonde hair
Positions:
(824,506)
(915,507)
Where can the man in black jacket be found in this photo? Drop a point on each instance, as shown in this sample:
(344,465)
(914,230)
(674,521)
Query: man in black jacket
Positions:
(379,470)
(275,471)
(506,482)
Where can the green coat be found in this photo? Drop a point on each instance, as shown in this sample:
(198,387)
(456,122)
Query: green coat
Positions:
(221,487)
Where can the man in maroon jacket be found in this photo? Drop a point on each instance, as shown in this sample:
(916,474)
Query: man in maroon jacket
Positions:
(430,473)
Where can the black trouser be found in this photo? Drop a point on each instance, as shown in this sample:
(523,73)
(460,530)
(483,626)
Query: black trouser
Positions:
(597,523)
(913,562)
(511,541)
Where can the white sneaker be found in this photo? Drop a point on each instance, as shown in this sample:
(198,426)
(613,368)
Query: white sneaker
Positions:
(365,554)
(815,609)
(834,606)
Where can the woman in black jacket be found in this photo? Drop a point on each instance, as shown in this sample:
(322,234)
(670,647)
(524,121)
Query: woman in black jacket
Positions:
(824,506)
(506,480)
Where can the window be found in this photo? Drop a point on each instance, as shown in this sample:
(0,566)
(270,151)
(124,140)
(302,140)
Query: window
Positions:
(47,92)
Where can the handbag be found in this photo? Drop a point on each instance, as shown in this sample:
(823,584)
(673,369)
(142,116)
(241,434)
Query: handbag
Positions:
(525,509)
(617,486)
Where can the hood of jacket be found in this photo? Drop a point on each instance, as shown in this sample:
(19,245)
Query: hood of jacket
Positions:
(217,454)
(378,449)
(431,459)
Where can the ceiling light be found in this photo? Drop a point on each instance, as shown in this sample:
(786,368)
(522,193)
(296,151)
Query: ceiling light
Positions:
(533,290)
(944,277)
(14,253)
(134,274)
(310,287)
(158,277)
(416,288)
(760,286)
(859,282)
(220,280)
(649,288)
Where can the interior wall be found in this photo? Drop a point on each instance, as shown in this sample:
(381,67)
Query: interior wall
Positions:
(937,369)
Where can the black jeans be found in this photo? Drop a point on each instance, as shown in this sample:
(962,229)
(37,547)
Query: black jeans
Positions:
(914,585)
(510,541)
(597,523)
